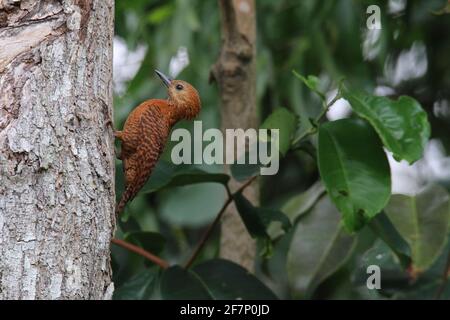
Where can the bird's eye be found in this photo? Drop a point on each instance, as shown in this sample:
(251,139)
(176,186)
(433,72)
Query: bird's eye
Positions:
(179,87)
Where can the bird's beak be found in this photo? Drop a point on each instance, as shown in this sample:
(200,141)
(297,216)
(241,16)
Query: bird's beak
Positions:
(165,79)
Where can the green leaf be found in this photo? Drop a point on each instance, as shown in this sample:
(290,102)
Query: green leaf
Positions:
(393,276)
(191,206)
(161,13)
(319,247)
(301,203)
(242,172)
(139,287)
(312,82)
(257,219)
(226,280)
(296,207)
(430,284)
(286,122)
(150,241)
(354,169)
(214,279)
(180,284)
(395,282)
(167,174)
(401,124)
(384,229)
(422,220)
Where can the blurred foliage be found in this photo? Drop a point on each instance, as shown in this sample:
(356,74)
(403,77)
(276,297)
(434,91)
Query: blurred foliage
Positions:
(316,257)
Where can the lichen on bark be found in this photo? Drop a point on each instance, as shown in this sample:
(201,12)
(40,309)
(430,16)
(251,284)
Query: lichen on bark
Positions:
(56,151)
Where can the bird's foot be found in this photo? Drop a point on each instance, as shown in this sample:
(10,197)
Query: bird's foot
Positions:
(118,134)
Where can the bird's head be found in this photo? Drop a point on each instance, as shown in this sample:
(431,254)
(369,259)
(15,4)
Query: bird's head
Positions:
(182,96)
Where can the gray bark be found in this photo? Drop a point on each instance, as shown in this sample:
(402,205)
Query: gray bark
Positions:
(235,73)
(56,151)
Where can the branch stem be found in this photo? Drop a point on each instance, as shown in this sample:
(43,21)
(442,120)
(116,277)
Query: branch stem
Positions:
(212,226)
(315,122)
(149,256)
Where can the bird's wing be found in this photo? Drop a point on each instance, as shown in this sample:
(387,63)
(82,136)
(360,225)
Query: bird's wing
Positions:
(139,165)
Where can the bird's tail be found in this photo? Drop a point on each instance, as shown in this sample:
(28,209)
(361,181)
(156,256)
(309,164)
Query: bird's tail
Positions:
(127,196)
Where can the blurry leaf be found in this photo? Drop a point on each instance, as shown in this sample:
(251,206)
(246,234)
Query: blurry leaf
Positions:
(167,174)
(283,120)
(392,275)
(297,206)
(312,82)
(242,172)
(401,124)
(286,122)
(422,221)
(442,11)
(301,203)
(429,284)
(150,241)
(180,284)
(383,227)
(192,19)
(191,206)
(257,219)
(138,287)
(395,282)
(226,280)
(158,15)
(354,169)
(319,247)
(128,223)
(274,266)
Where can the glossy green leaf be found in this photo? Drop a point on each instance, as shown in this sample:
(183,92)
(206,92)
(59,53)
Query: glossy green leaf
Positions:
(167,174)
(180,284)
(301,203)
(384,229)
(319,247)
(422,220)
(141,286)
(226,280)
(354,169)
(257,219)
(393,276)
(286,122)
(431,284)
(396,283)
(150,241)
(401,124)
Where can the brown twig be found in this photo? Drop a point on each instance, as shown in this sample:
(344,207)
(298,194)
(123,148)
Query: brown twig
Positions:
(149,256)
(212,226)
(445,276)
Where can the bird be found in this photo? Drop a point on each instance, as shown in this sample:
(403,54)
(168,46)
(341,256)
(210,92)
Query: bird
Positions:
(146,131)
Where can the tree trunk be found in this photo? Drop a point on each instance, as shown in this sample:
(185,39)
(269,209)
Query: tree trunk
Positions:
(235,74)
(56,150)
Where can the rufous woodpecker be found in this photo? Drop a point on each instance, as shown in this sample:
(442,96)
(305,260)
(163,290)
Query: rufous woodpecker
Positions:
(146,130)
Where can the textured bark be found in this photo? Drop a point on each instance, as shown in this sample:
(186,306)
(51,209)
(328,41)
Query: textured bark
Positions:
(56,152)
(235,74)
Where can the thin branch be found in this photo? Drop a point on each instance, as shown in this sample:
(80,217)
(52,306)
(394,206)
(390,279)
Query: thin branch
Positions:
(317,119)
(207,234)
(149,256)
(212,226)
(445,276)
